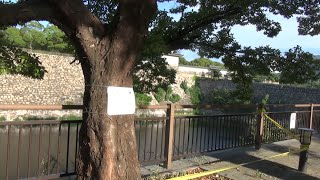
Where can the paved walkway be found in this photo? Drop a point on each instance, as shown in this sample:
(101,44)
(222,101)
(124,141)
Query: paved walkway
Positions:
(284,167)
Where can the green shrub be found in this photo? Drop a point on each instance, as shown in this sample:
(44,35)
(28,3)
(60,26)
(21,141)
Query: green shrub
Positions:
(226,96)
(175,98)
(195,94)
(142,99)
(222,96)
(185,87)
(2,118)
(265,100)
(160,94)
(195,78)
(18,118)
(168,93)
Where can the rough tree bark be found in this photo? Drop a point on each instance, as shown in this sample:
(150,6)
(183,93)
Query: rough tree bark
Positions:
(107,55)
(107,143)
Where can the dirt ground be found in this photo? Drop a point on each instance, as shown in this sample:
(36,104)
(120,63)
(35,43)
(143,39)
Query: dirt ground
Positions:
(284,167)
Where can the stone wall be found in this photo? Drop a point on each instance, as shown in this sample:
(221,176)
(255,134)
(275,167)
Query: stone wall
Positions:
(62,84)
(282,94)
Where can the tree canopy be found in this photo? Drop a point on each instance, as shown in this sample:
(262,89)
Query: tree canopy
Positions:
(112,37)
(204,26)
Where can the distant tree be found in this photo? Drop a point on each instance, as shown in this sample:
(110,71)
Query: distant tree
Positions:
(33,36)
(298,67)
(15,61)
(13,36)
(204,62)
(57,40)
(183,61)
(152,73)
(274,77)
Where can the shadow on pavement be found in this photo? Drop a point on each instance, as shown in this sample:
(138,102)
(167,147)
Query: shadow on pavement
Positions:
(280,167)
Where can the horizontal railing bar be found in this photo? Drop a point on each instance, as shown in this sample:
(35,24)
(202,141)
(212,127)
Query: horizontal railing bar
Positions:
(39,107)
(291,105)
(213,106)
(307,105)
(287,105)
(151,118)
(279,112)
(39,122)
(47,122)
(153,107)
(218,115)
(177,106)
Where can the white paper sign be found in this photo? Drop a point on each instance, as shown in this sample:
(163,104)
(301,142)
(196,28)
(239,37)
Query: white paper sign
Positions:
(293,118)
(121,100)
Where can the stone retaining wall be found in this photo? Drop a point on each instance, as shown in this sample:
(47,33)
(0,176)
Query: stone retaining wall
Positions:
(279,94)
(63,84)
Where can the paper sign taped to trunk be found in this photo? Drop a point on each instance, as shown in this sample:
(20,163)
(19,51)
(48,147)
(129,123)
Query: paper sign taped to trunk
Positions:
(121,100)
(293,118)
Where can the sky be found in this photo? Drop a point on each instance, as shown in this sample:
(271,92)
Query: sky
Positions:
(248,36)
(286,39)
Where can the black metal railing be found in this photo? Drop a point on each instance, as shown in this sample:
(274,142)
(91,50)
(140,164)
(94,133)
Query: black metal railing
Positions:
(200,134)
(150,137)
(272,133)
(49,147)
(38,148)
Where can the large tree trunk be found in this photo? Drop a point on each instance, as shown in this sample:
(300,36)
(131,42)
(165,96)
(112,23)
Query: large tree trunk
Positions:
(107,55)
(107,143)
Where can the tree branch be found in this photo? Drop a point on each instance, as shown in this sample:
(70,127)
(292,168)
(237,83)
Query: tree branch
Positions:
(76,15)
(21,12)
(131,28)
(209,19)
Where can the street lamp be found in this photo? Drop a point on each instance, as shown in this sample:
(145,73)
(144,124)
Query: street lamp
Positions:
(305,140)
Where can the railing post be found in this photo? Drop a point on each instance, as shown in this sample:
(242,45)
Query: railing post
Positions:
(259,127)
(311,116)
(169,137)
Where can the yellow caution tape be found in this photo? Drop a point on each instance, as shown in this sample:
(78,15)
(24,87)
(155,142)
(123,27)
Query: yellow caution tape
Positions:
(280,127)
(206,173)
(302,147)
